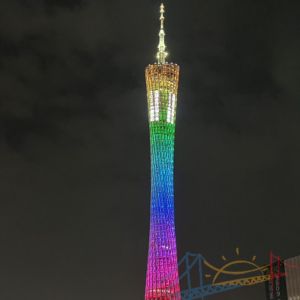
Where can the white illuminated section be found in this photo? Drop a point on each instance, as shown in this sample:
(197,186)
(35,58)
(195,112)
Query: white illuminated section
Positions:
(151,107)
(154,106)
(171,108)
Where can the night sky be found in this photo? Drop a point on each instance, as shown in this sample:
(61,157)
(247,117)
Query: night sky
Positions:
(74,140)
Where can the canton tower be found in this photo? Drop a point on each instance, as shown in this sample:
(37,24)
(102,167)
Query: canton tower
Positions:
(162,282)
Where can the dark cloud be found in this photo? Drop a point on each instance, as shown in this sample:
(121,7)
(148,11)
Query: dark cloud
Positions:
(74,142)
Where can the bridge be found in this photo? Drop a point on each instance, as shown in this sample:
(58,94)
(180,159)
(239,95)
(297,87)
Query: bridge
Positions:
(194,286)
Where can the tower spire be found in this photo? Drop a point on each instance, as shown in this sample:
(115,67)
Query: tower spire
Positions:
(161,54)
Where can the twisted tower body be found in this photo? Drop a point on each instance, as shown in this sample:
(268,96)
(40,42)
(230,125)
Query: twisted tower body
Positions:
(162,281)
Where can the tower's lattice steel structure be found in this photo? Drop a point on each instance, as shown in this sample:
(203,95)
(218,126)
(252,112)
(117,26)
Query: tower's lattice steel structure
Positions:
(162,280)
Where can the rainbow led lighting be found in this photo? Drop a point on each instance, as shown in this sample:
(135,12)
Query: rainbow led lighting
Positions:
(162,280)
